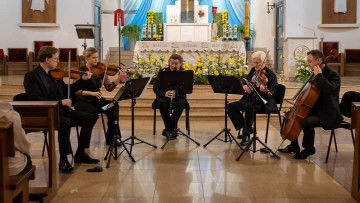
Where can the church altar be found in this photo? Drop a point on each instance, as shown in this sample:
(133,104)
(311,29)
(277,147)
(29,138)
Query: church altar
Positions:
(190,51)
(187,32)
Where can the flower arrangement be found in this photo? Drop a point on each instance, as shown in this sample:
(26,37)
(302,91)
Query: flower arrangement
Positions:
(224,17)
(159,36)
(151,17)
(303,71)
(209,64)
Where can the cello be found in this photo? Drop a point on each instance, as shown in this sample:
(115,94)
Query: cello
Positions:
(305,98)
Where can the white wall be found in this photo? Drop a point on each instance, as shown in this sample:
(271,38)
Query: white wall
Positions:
(69,12)
(307,13)
(109,31)
(264,25)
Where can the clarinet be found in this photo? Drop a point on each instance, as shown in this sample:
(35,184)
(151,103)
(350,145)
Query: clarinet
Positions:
(171,101)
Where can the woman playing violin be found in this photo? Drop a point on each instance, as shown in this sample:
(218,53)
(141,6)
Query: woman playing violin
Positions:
(88,90)
(265,82)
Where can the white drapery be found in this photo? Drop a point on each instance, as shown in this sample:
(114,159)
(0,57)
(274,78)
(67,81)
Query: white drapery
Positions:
(340,6)
(38,5)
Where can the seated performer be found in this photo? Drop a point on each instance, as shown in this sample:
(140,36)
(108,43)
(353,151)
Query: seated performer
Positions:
(40,86)
(88,92)
(163,99)
(250,102)
(22,160)
(326,111)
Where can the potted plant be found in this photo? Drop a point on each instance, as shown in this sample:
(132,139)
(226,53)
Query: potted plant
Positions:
(132,32)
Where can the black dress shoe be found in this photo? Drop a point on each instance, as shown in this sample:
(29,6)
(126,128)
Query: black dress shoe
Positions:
(171,135)
(164,132)
(304,153)
(245,141)
(86,159)
(65,166)
(290,148)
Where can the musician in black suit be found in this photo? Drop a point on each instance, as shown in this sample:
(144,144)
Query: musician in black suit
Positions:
(40,86)
(250,102)
(163,100)
(326,111)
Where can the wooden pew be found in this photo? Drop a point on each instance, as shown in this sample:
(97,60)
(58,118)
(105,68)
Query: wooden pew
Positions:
(2,61)
(39,116)
(355,124)
(16,57)
(352,62)
(11,186)
(34,55)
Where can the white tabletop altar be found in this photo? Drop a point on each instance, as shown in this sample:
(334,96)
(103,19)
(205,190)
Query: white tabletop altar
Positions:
(190,51)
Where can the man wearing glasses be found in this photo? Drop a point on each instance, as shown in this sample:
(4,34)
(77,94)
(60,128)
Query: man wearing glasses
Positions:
(40,86)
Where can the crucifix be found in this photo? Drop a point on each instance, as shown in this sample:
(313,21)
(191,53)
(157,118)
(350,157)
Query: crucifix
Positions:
(187,11)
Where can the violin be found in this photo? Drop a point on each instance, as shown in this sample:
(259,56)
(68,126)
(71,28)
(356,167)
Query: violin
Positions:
(260,77)
(59,73)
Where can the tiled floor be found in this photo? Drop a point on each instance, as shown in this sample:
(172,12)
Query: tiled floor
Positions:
(183,172)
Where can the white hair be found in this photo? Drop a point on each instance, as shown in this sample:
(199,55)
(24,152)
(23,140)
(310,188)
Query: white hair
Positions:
(259,54)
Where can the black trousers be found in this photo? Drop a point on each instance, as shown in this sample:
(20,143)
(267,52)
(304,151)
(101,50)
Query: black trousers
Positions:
(248,107)
(308,126)
(70,119)
(178,105)
(94,108)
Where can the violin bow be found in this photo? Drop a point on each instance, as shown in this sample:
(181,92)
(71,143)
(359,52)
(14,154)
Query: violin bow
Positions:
(69,71)
(107,64)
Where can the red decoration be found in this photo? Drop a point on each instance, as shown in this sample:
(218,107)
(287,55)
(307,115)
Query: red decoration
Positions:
(214,10)
(119,15)
(201,13)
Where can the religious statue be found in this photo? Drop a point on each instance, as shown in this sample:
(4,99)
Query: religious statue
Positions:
(340,6)
(38,5)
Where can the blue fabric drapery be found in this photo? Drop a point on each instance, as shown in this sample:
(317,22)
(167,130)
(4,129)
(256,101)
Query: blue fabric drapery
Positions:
(235,9)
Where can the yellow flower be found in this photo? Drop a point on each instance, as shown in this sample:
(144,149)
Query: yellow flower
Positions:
(227,72)
(211,59)
(231,61)
(216,73)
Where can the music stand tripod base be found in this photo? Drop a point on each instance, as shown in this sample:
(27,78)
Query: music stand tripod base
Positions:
(225,85)
(113,148)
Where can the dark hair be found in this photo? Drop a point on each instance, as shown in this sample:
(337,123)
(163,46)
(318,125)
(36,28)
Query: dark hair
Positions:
(317,54)
(46,52)
(176,57)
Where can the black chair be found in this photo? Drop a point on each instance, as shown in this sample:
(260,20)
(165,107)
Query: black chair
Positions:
(345,109)
(187,116)
(279,98)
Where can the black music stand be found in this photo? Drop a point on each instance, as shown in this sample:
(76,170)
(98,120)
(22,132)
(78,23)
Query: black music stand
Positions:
(85,31)
(134,88)
(255,137)
(113,148)
(183,81)
(225,85)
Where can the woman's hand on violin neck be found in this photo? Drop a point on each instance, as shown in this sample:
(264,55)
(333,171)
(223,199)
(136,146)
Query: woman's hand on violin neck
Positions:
(66,102)
(317,70)
(87,75)
(246,88)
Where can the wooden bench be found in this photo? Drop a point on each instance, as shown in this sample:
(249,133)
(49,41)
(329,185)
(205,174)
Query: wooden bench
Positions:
(16,57)
(64,57)
(2,61)
(352,62)
(12,186)
(38,116)
(34,55)
(355,124)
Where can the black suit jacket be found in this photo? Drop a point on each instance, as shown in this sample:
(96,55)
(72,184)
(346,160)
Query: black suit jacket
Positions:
(160,93)
(271,85)
(36,90)
(327,106)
